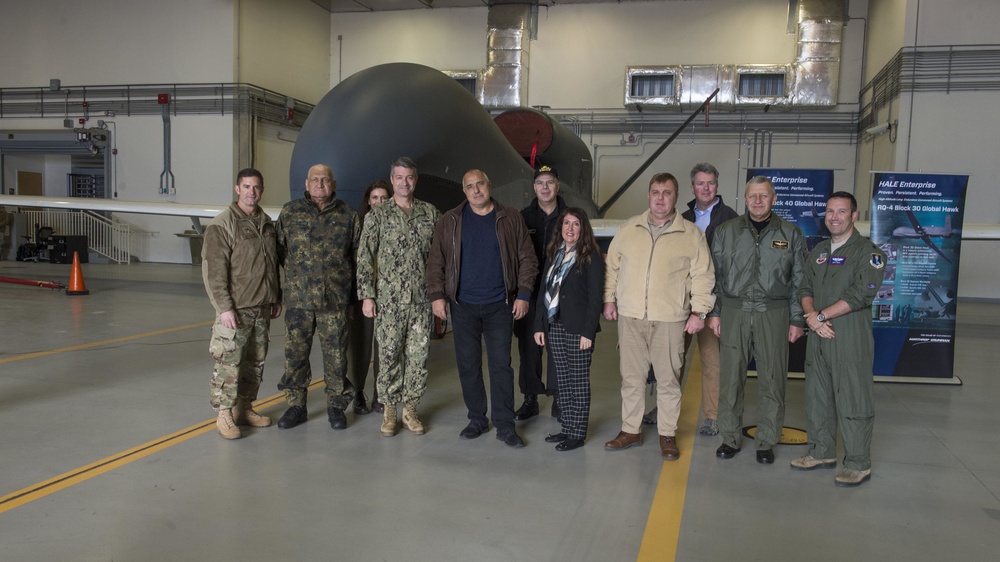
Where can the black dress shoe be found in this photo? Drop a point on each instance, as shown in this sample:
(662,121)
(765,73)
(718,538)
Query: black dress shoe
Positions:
(765,456)
(361,404)
(569,445)
(555,437)
(511,439)
(472,431)
(338,420)
(378,407)
(527,410)
(293,417)
(726,452)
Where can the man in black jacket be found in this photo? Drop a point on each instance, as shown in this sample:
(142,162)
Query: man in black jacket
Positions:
(707,211)
(540,217)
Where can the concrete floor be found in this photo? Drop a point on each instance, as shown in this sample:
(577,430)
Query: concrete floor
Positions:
(86,380)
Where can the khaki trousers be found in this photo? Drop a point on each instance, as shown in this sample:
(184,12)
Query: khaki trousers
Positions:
(645,343)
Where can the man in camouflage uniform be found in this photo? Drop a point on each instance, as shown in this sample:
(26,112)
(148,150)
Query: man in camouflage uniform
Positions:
(317,237)
(240,270)
(393,252)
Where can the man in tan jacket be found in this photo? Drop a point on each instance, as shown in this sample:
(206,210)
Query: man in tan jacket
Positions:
(240,270)
(658,285)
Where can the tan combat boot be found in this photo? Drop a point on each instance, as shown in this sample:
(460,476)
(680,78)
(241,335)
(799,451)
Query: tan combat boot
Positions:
(410,419)
(226,426)
(389,420)
(243,414)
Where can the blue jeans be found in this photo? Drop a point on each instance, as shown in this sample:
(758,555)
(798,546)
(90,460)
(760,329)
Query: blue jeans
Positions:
(471,324)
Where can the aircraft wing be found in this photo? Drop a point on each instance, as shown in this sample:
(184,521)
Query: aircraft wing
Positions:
(193,210)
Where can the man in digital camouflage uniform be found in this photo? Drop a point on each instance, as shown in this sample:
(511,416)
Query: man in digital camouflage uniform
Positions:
(317,236)
(843,275)
(240,270)
(391,258)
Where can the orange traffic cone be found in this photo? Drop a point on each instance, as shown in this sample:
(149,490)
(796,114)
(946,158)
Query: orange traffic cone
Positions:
(76,284)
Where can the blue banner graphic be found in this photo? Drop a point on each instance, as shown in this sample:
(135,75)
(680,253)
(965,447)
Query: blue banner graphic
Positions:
(802,196)
(917,221)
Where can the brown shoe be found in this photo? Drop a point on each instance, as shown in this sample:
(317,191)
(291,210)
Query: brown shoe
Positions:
(668,448)
(410,419)
(389,426)
(624,441)
(243,414)
(226,426)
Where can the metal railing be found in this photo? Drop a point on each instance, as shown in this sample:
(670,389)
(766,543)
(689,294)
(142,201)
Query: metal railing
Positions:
(112,237)
(101,101)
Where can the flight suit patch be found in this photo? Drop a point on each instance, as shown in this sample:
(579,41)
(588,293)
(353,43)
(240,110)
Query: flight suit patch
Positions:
(877,262)
(838,260)
(779,244)
(821,259)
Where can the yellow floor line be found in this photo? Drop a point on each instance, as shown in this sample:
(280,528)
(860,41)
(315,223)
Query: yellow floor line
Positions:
(659,541)
(89,471)
(100,343)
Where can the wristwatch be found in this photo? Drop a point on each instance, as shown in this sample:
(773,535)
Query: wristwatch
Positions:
(821,317)
(701,315)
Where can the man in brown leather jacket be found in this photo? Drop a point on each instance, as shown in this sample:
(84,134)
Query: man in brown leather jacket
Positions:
(483,263)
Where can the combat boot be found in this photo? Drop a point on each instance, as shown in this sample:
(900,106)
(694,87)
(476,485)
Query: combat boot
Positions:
(243,414)
(410,419)
(389,420)
(226,426)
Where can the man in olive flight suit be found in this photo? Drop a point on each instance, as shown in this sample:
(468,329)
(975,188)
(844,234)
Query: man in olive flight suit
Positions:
(843,275)
(758,270)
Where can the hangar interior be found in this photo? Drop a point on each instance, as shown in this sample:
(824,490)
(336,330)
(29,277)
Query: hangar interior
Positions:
(906,86)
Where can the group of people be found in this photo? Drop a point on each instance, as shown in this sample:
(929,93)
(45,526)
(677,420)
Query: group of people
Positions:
(742,286)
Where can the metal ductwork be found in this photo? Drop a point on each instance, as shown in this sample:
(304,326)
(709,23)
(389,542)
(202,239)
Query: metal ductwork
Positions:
(812,80)
(504,81)
(817,63)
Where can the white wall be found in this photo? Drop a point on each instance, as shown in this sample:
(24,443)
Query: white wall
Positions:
(443,38)
(115,41)
(284,46)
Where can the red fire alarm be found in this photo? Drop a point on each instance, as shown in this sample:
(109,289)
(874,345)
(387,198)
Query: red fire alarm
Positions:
(163,99)
(82,121)
(290,113)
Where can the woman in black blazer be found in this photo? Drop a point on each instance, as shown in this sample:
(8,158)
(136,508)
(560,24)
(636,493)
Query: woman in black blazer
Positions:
(568,319)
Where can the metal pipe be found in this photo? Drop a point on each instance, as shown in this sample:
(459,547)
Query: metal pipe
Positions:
(166,176)
(649,161)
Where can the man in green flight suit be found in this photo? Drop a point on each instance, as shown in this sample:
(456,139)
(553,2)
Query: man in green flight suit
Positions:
(758,271)
(843,275)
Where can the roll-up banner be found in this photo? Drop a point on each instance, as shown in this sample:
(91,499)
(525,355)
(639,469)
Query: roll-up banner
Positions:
(802,196)
(917,222)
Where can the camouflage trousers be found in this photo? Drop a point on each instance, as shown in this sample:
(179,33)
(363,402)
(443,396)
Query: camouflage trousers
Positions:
(239,356)
(403,334)
(331,327)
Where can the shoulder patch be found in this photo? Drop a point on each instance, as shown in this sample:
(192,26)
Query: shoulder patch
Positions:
(877,262)
(821,259)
